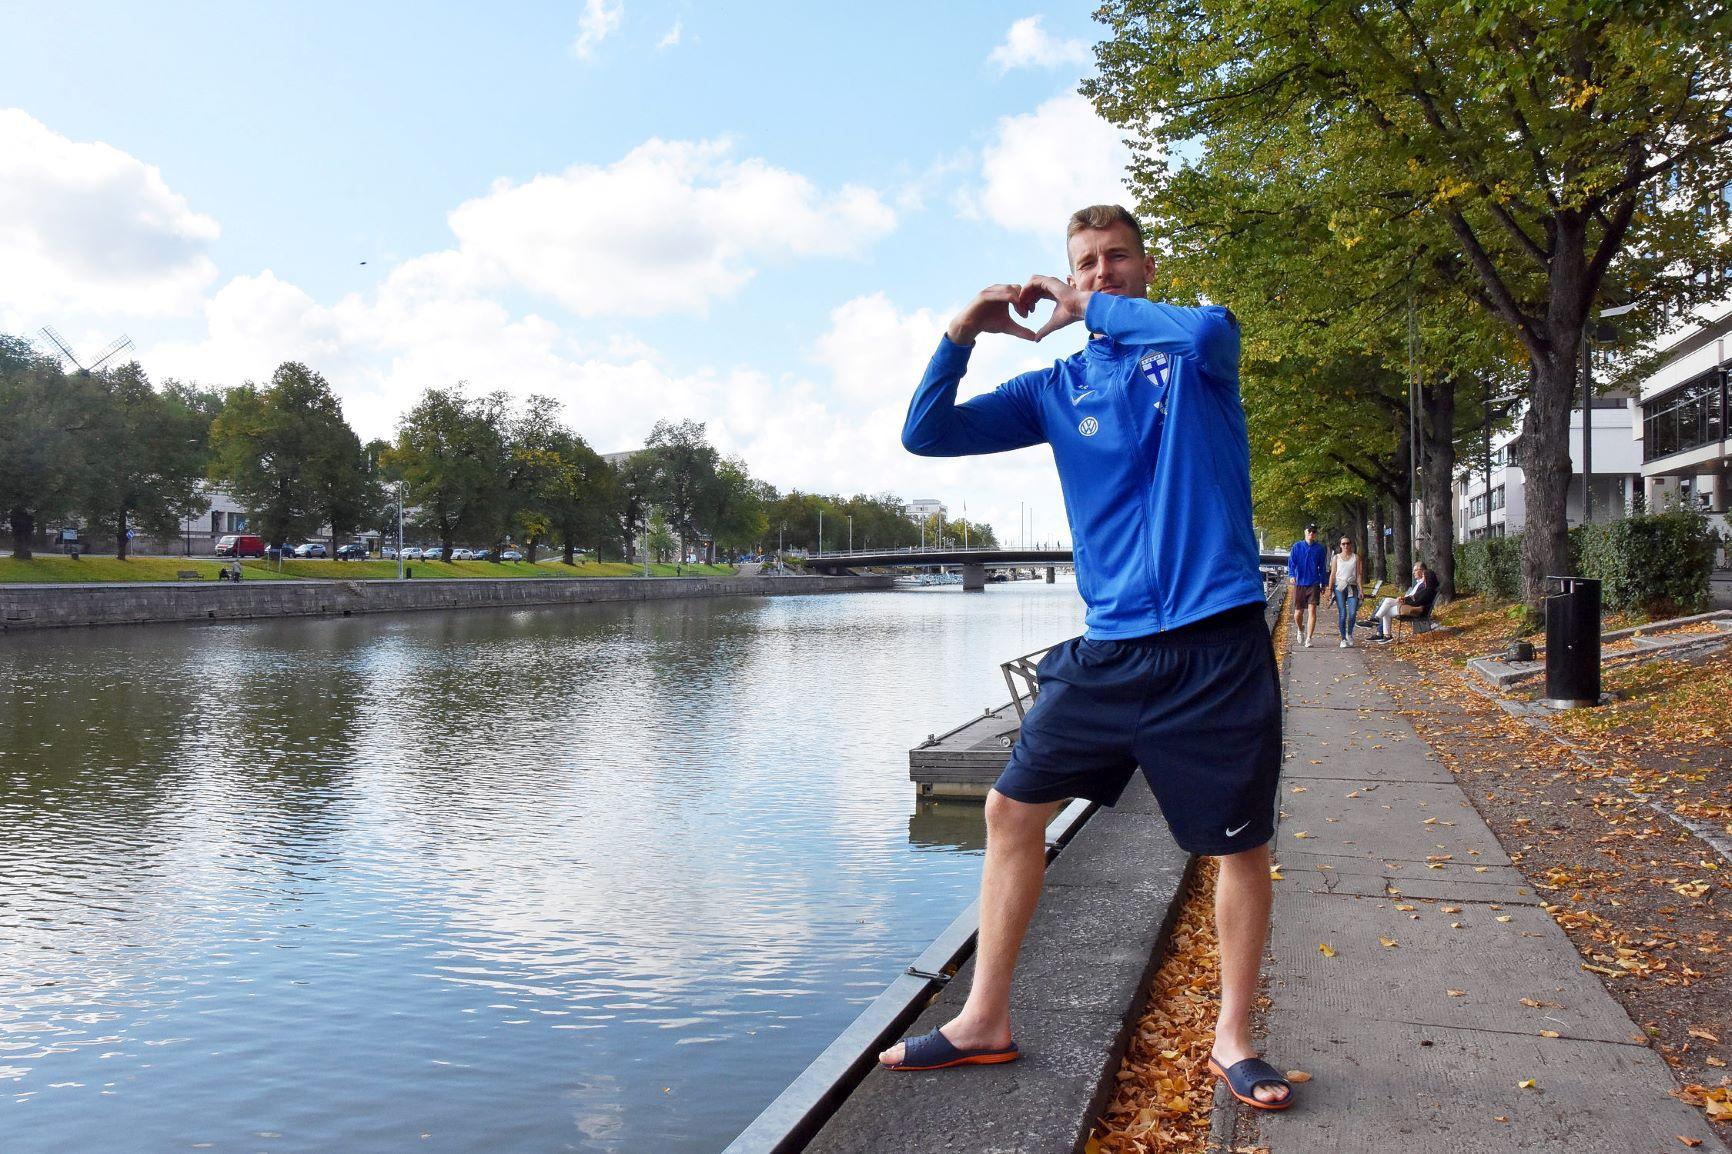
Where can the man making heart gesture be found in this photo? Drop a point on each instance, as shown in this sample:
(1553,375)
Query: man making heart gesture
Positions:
(1175,672)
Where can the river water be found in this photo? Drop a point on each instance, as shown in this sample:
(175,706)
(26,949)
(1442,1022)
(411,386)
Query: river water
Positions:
(596,878)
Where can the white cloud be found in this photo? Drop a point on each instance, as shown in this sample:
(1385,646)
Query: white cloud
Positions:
(1042,166)
(600,20)
(86,229)
(670,227)
(671,37)
(1027,45)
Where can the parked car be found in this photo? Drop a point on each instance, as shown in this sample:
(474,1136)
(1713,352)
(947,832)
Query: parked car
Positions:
(311,549)
(481,554)
(388,552)
(510,555)
(461,554)
(353,551)
(240,545)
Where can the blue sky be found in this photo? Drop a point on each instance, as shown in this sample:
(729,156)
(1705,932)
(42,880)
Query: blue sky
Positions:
(756,215)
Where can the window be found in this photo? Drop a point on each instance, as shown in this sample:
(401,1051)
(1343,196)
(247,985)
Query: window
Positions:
(1692,415)
(1497,498)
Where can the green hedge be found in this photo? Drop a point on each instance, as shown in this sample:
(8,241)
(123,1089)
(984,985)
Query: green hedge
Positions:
(1490,565)
(1655,564)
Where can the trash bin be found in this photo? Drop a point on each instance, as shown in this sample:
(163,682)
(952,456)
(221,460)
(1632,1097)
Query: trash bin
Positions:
(1572,642)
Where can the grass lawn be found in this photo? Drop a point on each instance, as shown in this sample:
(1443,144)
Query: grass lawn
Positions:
(373,570)
(60,569)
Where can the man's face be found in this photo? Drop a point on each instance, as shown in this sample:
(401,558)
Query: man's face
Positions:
(1310,536)
(1109,260)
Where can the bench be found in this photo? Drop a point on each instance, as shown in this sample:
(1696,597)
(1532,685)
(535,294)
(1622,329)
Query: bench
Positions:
(195,575)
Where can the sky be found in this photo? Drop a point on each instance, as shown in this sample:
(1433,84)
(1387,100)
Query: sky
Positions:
(760,215)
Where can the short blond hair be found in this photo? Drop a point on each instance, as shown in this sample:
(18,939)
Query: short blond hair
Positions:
(1097,216)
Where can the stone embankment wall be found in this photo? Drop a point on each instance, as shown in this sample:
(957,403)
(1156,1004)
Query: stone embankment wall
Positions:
(50,606)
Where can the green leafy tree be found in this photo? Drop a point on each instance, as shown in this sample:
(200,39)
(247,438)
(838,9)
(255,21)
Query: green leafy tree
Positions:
(451,454)
(1562,152)
(287,454)
(144,455)
(679,468)
(40,445)
(733,507)
(659,537)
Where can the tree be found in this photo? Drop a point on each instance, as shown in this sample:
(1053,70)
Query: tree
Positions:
(679,474)
(451,455)
(144,455)
(40,449)
(659,537)
(1562,151)
(287,454)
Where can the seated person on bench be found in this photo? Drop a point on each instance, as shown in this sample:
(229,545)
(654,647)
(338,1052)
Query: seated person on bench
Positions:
(1416,602)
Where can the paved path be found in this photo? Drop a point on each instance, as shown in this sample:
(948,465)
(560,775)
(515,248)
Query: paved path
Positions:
(1372,823)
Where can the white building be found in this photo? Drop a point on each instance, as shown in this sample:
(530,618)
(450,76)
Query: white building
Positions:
(1500,508)
(1684,435)
(923,507)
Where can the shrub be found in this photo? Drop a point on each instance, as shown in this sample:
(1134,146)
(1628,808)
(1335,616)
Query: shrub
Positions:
(1656,564)
(1491,566)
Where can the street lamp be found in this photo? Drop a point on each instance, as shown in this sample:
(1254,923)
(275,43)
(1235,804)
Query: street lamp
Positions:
(850,532)
(399,530)
(1605,334)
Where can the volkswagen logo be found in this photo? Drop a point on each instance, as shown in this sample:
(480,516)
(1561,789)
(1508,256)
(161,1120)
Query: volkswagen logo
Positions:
(1089,427)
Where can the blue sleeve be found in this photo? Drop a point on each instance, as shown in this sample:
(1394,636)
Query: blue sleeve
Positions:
(1208,335)
(1006,418)
(1293,565)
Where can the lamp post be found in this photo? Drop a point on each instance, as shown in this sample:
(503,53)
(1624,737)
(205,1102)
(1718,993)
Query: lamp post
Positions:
(850,532)
(820,532)
(399,530)
(1605,334)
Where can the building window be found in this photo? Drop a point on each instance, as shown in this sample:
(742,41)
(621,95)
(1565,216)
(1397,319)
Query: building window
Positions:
(1497,498)
(1686,418)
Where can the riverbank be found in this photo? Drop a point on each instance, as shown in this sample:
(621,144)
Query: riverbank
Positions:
(55,569)
(52,606)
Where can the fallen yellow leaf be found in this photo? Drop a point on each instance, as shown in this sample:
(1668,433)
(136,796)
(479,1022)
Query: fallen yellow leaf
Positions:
(1527,1084)
(1503,917)
(1391,943)
(1326,950)
(1698,1032)
(1456,993)
(1549,1034)
(1301,833)
(1298,1076)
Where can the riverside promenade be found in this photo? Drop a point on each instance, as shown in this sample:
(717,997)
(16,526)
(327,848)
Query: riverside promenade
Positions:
(1449,1013)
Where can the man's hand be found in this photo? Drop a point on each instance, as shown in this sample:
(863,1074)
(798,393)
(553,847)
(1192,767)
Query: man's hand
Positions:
(1070,303)
(989,312)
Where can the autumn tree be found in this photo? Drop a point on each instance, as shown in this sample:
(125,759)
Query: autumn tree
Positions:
(1567,150)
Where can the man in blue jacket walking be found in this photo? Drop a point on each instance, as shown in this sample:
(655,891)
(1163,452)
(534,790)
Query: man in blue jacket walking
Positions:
(1308,570)
(1175,672)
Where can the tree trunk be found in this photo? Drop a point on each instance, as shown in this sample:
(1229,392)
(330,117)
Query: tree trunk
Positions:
(1438,430)
(1403,504)
(120,541)
(23,529)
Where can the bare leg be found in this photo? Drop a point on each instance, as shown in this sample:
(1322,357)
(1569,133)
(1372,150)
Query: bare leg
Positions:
(1243,895)
(1010,883)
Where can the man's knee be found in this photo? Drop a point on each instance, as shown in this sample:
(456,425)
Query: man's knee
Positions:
(1007,817)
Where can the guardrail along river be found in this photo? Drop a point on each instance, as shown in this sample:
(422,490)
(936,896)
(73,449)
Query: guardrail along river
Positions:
(595,878)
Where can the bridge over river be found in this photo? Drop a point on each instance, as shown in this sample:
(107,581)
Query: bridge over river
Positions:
(975,563)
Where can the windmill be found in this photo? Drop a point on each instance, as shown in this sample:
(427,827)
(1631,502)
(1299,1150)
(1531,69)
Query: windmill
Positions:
(118,345)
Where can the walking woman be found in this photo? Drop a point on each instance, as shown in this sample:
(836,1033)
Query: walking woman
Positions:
(1346,579)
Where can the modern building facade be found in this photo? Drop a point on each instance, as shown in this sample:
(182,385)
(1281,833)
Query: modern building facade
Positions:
(1499,508)
(1685,432)
(923,507)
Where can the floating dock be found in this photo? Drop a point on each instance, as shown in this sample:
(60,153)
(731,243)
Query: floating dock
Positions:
(967,760)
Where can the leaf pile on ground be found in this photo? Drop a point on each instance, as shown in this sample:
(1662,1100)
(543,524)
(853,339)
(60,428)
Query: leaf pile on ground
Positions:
(1611,814)
(1165,1092)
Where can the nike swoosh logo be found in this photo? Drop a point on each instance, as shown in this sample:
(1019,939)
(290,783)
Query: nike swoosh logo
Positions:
(1077,400)
(1235,832)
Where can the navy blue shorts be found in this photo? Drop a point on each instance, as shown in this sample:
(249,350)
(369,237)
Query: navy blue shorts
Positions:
(1198,707)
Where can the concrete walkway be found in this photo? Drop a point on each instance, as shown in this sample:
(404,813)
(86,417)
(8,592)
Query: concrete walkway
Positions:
(1424,1045)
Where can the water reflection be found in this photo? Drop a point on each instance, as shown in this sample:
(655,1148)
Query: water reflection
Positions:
(586,878)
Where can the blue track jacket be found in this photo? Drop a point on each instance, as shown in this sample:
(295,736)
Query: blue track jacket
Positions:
(1148,433)
(1307,563)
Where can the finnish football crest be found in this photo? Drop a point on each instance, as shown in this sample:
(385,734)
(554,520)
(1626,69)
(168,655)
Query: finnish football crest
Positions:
(1089,427)
(1157,368)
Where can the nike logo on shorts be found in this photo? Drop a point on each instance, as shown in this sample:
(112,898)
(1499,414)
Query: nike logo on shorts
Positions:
(1235,832)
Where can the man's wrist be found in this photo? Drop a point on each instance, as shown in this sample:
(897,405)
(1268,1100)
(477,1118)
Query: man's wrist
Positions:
(961,334)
